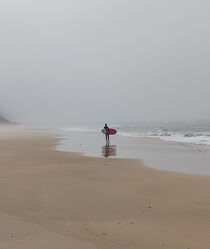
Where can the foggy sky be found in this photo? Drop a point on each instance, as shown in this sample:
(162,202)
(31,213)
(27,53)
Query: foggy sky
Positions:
(97,60)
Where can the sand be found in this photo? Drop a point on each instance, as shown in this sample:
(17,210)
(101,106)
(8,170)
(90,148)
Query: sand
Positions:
(60,200)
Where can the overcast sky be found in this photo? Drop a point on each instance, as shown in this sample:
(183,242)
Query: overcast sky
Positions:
(104,60)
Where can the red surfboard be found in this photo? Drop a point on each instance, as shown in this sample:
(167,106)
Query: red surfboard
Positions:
(111,131)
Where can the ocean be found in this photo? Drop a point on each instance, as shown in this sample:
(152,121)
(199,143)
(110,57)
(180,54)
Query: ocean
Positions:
(196,132)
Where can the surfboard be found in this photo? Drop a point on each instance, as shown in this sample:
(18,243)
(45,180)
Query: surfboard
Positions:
(111,131)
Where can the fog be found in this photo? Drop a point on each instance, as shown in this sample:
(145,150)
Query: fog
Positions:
(115,60)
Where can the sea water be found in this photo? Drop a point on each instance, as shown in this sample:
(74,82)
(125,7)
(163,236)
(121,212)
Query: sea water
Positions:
(172,146)
(194,132)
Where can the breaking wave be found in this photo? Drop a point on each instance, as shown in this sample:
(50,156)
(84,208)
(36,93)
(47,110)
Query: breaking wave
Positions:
(181,132)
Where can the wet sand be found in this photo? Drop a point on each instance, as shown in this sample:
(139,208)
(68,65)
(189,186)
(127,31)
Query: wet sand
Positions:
(155,153)
(60,200)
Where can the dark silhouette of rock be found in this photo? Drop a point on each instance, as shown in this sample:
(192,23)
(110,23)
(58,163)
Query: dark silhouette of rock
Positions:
(4,120)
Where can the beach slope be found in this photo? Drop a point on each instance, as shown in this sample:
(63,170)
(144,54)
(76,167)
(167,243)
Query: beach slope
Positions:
(60,200)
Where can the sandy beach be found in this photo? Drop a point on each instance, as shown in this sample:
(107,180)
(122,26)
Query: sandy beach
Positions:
(60,200)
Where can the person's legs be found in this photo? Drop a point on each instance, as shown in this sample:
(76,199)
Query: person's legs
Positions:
(106,138)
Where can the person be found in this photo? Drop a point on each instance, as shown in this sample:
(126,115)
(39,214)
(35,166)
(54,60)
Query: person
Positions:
(107,133)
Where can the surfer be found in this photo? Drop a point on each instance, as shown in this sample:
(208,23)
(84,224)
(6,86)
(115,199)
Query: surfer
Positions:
(107,133)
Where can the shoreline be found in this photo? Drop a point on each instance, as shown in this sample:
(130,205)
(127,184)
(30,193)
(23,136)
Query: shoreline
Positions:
(165,153)
(60,200)
(167,156)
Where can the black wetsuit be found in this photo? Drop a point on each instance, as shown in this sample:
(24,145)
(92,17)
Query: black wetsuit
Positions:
(107,133)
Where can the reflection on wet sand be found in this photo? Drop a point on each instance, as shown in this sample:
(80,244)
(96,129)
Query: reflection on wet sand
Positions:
(109,150)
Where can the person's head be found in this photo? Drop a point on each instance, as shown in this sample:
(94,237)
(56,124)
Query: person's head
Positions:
(105,125)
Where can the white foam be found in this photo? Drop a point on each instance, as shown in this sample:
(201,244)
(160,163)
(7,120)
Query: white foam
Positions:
(180,138)
(190,138)
(129,134)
